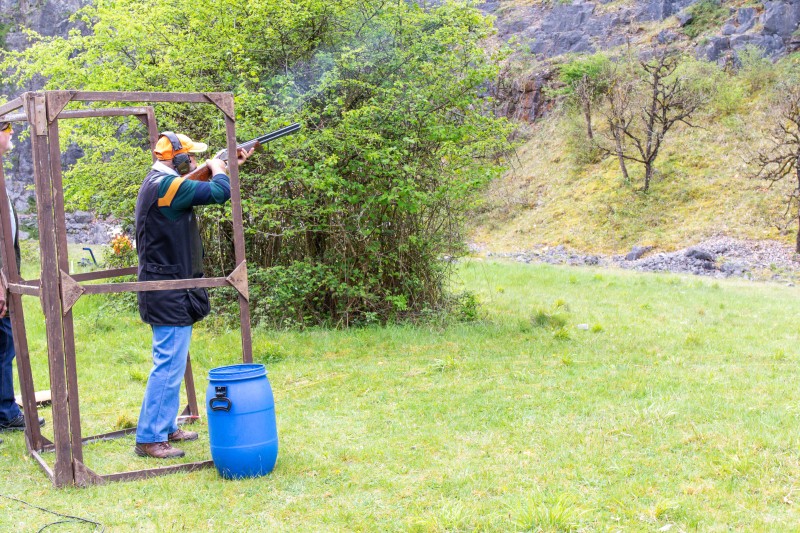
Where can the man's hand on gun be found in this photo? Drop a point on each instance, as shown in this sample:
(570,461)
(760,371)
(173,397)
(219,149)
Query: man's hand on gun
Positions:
(3,295)
(218,166)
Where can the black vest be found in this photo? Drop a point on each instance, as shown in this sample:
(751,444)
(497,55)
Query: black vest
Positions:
(168,249)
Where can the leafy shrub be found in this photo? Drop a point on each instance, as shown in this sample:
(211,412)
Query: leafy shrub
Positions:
(120,254)
(467,307)
(727,92)
(346,222)
(543,319)
(589,67)
(706,14)
(29,252)
(756,71)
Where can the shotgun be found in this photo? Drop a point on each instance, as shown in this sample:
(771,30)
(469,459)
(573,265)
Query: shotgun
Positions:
(202,173)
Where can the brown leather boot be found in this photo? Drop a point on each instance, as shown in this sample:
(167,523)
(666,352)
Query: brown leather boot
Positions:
(180,435)
(159,450)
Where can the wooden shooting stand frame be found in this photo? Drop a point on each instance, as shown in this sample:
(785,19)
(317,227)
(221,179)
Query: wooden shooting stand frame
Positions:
(58,289)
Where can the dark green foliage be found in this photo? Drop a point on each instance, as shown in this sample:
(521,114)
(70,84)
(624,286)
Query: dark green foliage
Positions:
(468,306)
(590,67)
(5,27)
(706,14)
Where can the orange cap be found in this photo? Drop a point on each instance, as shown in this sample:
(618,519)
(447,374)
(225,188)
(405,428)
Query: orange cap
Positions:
(164,150)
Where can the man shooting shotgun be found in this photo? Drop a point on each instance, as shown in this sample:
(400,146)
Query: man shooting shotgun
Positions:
(203,172)
(169,247)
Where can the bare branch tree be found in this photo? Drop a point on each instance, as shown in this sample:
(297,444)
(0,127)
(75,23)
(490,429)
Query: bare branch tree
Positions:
(641,109)
(780,159)
(619,115)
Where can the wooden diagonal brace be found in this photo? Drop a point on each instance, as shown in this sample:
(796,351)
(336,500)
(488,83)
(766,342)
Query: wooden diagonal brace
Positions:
(84,476)
(70,292)
(56,102)
(224,101)
(238,278)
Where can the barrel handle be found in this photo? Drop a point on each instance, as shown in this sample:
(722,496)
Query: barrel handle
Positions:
(226,407)
(220,393)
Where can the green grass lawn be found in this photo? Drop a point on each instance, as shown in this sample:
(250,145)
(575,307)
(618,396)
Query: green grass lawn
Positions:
(676,409)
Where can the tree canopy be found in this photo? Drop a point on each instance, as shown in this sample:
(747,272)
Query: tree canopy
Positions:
(348,220)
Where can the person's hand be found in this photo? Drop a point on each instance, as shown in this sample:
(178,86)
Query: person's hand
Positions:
(3,298)
(217,166)
(242,154)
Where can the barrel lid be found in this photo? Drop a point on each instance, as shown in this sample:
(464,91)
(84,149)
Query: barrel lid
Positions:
(235,372)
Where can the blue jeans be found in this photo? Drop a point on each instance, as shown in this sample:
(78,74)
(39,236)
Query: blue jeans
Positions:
(8,406)
(162,395)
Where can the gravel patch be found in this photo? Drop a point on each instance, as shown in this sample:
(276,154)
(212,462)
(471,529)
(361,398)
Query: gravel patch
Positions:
(719,257)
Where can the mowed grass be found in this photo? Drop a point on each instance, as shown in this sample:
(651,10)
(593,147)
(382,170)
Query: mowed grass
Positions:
(583,400)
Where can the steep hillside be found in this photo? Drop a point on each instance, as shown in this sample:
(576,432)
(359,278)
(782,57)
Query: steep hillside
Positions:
(702,189)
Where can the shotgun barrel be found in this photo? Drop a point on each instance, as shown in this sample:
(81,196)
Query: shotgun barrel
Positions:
(264,139)
(202,173)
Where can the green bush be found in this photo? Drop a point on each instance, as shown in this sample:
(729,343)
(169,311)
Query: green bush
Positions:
(706,77)
(347,221)
(120,254)
(756,71)
(706,14)
(578,146)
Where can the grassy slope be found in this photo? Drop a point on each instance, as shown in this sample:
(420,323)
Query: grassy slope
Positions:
(702,189)
(678,406)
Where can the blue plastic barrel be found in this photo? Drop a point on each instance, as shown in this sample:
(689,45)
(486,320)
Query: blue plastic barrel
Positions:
(241,421)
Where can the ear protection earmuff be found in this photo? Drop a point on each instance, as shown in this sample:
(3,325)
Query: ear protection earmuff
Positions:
(180,162)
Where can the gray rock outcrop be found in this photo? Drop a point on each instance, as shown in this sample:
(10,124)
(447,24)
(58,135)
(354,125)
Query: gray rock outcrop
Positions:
(719,257)
(48,18)
(773,31)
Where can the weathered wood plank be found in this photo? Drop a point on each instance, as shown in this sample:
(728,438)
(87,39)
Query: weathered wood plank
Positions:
(136,96)
(145,286)
(17,315)
(238,238)
(152,472)
(13,105)
(22,288)
(51,293)
(68,328)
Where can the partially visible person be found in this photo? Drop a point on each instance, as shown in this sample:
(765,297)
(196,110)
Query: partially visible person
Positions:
(11,418)
(169,247)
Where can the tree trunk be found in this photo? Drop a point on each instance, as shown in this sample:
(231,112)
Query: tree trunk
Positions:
(587,114)
(797,173)
(797,240)
(648,175)
(620,157)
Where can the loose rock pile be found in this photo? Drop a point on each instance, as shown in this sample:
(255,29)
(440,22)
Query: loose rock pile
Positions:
(720,257)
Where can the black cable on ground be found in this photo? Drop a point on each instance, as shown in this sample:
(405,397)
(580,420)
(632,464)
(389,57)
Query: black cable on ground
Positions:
(70,517)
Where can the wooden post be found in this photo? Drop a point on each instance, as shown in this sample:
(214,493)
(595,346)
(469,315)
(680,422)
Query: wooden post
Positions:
(68,329)
(27,390)
(35,105)
(238,232)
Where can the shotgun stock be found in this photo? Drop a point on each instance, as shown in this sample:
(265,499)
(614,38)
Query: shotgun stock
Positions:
(202,173)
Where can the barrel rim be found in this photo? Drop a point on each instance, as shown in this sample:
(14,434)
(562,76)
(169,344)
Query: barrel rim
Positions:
(237,372)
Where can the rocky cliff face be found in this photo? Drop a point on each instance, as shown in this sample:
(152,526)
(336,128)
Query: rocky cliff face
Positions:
(772,27)
(549,30)
(49,18)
